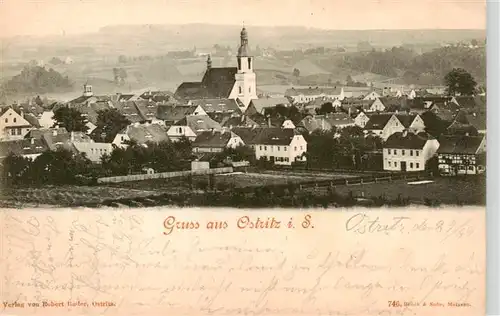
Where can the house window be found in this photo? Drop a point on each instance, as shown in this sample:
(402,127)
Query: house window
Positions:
(300,147)
(411,165)
(471,168)
(284,148)
(418,165)
(417,153)
(250,89)
(395,152)
(13,132)
(403,152)
(6,120)
(260,147)
(295,148)
(389,163)
(19,131)
(15,119)
(278,148)
(286,159)
(395,163)
(411,152)
(265,147)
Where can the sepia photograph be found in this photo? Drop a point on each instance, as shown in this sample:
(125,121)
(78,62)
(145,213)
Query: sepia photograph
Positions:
(274,158)
(333,113)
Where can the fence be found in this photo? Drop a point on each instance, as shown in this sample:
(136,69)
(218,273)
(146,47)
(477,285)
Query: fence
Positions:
(164,175)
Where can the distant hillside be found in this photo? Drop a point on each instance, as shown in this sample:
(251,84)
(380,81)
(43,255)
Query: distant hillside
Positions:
(36,79)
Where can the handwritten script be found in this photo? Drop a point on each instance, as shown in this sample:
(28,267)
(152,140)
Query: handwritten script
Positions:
(413,262)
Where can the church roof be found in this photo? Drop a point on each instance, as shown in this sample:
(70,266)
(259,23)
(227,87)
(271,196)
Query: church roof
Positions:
(216,83)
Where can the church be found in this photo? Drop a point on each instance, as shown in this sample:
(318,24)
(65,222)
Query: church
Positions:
(237,83)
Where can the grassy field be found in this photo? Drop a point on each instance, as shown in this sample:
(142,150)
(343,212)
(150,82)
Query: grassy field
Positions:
(456,191)
(471,190)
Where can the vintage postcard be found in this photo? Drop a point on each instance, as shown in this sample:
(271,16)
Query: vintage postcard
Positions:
(284,157)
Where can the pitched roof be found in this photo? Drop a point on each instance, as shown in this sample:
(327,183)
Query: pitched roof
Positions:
(147,109)
(213,139)
(478,120)
(407,140)
(130,111)
(265,136)
(263,103)
(220,118)
(406,119)
(459,144)
(220,105)
(326,122)
(239,121)
(33,108)
(174,113)
(22,147)
(158,96)
(32,120)
(147,133)
(377,121)
(216,83)
(199,123)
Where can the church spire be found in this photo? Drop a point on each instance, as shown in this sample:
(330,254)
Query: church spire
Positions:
(243,51)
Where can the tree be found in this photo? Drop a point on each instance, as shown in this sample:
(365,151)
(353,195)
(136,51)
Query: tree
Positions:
(296,72)
(349,80)
(474,42)
(14,167)
(460,82)
(109,123)
(71,119)
(326,108)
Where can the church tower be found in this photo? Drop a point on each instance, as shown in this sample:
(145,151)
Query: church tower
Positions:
(245,86)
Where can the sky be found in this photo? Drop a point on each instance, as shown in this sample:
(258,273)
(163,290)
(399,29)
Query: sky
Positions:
(47,17)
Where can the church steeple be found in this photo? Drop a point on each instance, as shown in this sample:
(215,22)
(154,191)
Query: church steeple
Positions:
(243,51)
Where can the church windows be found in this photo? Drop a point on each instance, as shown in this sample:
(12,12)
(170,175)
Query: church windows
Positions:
(249,89)
(240,90)
(239,63)
(249,63)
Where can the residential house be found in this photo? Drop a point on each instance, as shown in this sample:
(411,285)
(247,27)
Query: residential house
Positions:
(141,134)
(361,119)
(383,125)
(288,124)
(280,146)
(158,96)
(130,111)
(27,148)
(174,113)
(192,125)
(462,155)
(93,150)
(372,96)
(259,105)
(326,122)
(239,121)
(470,102)
(148,110)
(232,106)
(478,120)
(214,142)
(353,106)
(313,106)
(377,106)
(227,82)
(13,125)
(407,151)
(311,94)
